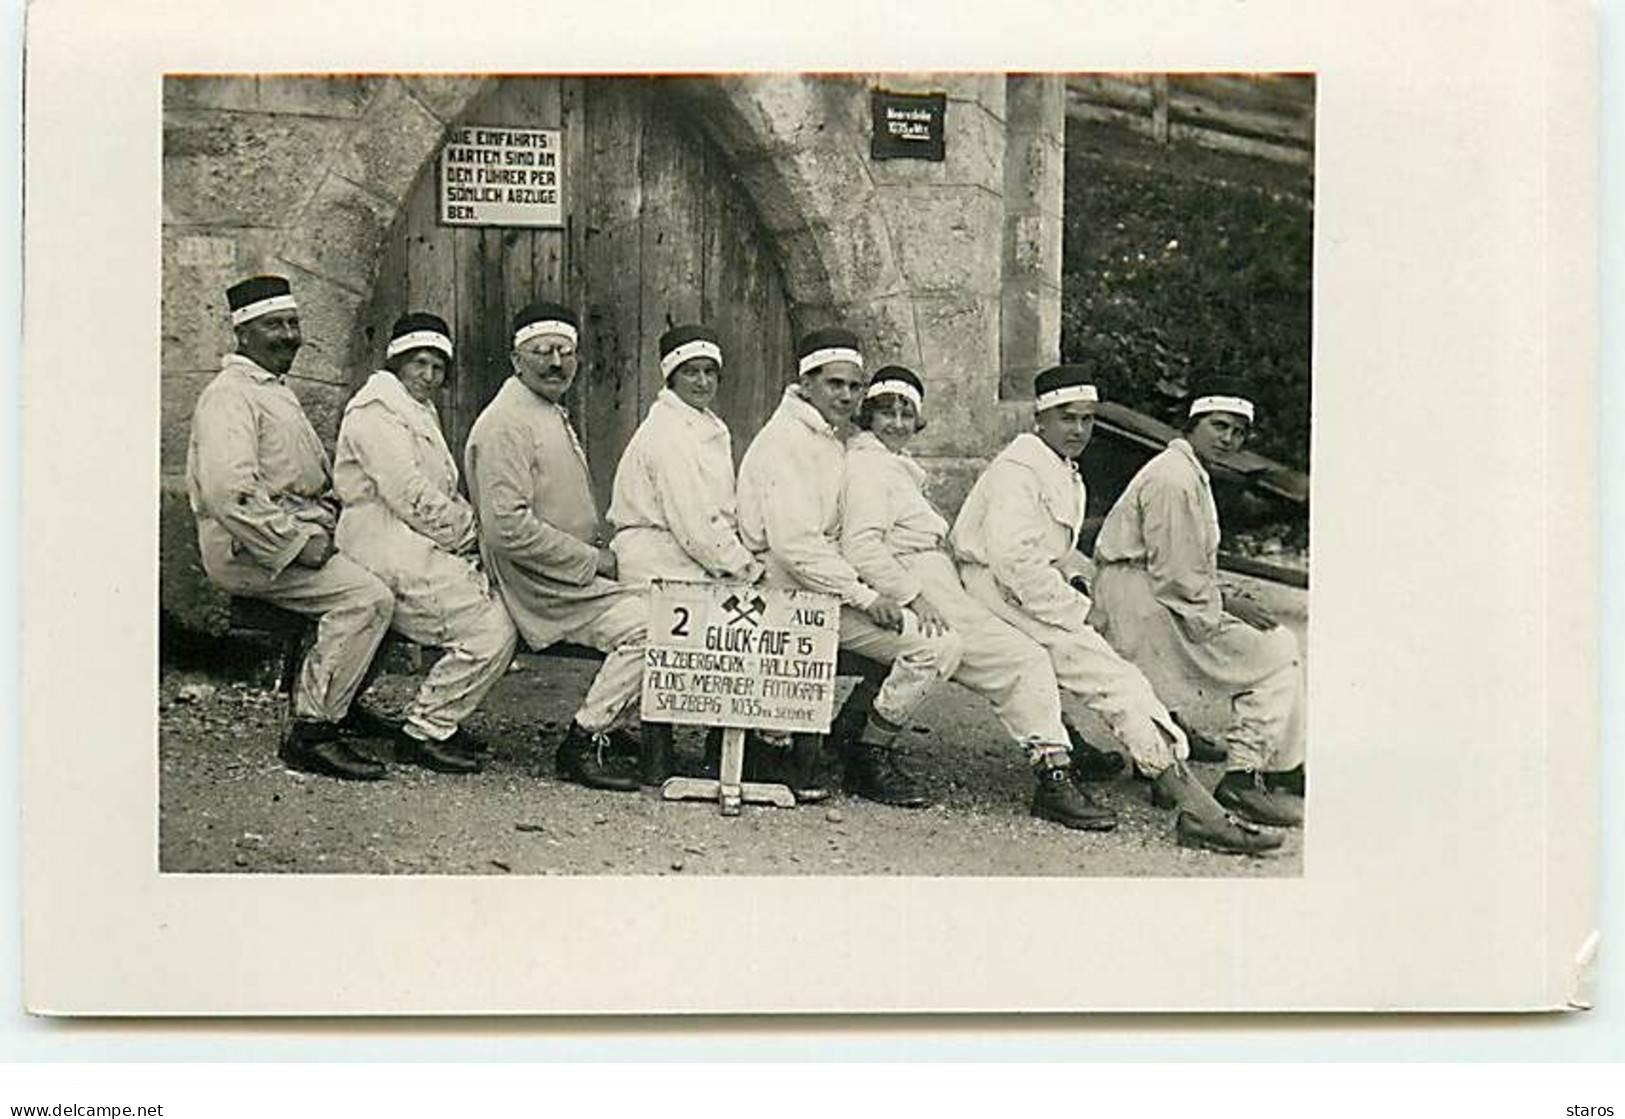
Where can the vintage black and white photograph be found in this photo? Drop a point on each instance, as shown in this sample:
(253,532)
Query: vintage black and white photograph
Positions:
(736,474)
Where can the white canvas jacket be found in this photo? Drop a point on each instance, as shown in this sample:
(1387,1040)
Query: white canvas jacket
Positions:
(1021,521)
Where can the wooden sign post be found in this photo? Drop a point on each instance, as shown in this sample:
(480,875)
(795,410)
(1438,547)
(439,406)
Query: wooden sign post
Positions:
(739,657)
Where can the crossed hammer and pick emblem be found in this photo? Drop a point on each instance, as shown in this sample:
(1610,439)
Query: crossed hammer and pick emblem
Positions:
(748,611)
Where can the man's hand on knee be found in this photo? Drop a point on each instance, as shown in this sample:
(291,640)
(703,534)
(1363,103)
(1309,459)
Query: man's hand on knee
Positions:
(886,612)
(316,552)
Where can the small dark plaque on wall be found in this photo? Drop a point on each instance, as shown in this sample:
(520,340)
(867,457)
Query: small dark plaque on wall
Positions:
(908,125)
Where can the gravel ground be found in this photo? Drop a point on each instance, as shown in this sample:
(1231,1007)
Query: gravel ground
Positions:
(228,805)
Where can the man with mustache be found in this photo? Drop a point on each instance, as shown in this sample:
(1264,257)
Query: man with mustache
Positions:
(543,541)
(260,485)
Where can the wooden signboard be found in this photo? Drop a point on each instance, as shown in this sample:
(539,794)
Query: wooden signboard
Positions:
(739,656)
(730,655)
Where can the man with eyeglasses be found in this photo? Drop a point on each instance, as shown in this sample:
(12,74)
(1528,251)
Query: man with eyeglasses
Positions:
(543,540)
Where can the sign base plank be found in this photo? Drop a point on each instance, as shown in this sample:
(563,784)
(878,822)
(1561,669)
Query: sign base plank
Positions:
(730,792)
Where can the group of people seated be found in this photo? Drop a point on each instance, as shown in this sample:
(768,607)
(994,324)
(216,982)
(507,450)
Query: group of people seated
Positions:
(826,498)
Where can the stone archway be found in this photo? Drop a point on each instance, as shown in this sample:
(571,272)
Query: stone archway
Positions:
(831,245)
(307,175)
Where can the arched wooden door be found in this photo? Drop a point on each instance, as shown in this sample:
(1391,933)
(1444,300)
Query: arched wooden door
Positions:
(657,232)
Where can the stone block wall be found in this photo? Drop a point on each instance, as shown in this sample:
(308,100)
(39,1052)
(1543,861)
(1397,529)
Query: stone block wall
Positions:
(300,176)
(952,267)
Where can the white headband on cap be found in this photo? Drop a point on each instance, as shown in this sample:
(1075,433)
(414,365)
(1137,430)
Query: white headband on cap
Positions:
(432,339)
(900,388)
(263,307)
(1241,406)
(824,357)
(1067,394)
(545,326)
(700,347)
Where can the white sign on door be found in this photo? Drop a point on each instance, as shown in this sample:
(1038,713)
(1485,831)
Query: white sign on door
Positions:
(494,175)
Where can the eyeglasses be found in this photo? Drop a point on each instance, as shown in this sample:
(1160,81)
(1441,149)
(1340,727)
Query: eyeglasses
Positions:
(562,351)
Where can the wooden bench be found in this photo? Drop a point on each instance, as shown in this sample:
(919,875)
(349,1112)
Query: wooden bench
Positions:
(293,633)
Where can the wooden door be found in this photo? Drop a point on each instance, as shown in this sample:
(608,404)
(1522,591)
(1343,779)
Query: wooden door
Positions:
(656,233)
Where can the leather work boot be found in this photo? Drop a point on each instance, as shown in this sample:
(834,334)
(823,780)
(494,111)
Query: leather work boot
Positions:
(847,725)
(1057,798)
(625,743)
(361,721)
(1245,794)
(1203,823)
(1286,781)
(584,758)
(803,771)
(1203,748)
(795,766)
(314,747)
(876,773)
(466,743)
(1089,763)
(442,757)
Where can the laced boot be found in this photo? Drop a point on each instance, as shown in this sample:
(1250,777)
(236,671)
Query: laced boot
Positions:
(311,746)
(1286,781)
(876,773)
(1203,748)
(1245,794)
(847,725)
(1057,798)
(1088,762)
(583,758)
(361,721)
(802,771)
(471,744)
(442,757)
(1202,822)
(624,743)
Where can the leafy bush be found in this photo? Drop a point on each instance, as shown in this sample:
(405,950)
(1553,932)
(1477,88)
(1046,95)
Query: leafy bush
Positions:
(1179,263)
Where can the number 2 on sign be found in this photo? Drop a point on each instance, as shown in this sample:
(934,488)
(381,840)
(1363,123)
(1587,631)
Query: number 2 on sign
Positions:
(679,628)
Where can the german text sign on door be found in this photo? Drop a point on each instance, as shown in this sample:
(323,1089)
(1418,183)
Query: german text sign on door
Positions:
(729,655)
(491,175)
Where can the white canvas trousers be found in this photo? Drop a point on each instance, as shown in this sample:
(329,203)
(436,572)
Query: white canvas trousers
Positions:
(448,604)
(352,608)
(918,663)
(999,663)
(1268,731)
(1087,667)
(617,626)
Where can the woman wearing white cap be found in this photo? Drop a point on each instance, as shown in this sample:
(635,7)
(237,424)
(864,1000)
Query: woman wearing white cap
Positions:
(673,504)
(1158,600)
(896,539)
(790,517)
(405,522)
